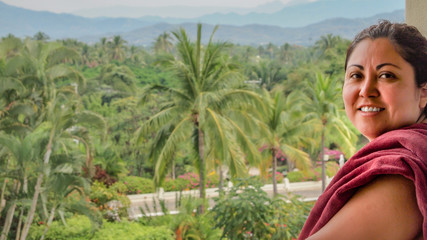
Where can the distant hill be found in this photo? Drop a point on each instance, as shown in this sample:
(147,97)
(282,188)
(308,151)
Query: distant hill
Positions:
(256,34)
(177,11)
(308,13)
(22,22)
(143,31)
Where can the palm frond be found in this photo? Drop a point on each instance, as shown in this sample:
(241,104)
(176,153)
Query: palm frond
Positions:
(164,146)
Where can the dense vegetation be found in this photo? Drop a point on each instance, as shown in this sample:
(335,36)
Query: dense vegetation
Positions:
(81,124)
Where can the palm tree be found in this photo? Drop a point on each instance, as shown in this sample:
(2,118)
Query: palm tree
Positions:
(41,36)
(23,154)
(268,72)
(208,88)
(39,67)
(116,45)
(282,130)
(163,43)
(324,107)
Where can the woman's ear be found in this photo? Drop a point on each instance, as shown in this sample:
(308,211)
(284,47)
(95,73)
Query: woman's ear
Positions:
(423,96)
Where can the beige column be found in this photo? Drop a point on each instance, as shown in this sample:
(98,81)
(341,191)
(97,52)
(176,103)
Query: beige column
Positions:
(415,12)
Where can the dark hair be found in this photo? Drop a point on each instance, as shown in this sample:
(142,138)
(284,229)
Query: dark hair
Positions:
(408,42)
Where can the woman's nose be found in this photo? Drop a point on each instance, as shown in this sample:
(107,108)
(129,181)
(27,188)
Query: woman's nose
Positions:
(369,87)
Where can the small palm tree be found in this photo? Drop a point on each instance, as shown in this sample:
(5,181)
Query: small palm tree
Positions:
(324,109)
(283,130)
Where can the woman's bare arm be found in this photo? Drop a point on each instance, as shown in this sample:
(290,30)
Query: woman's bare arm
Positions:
(386,208)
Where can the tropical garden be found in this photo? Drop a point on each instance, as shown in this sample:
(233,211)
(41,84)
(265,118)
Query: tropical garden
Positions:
(82,125)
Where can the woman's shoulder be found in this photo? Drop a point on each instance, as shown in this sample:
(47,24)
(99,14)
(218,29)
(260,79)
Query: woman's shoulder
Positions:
(386,208)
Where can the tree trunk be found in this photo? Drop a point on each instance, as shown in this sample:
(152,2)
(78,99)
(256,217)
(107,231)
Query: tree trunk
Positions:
(10,213)
(273,174)
(49,222)
(322,158)
(8,221)
(37,191)
(201,170)
(2,195)
(18,229)
(221,179)
(4,187)
(173,168)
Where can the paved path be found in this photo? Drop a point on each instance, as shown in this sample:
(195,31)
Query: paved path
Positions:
(149,203)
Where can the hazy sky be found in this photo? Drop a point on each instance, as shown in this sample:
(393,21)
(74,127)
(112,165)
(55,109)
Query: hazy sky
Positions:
(66,6)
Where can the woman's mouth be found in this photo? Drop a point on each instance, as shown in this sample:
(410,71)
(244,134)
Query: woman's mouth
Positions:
(371,109)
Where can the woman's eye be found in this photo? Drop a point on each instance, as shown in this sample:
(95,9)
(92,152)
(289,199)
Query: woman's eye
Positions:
(387,75)
(356,75)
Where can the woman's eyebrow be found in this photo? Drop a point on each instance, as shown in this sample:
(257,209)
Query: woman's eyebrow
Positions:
(355,65)
(386,64)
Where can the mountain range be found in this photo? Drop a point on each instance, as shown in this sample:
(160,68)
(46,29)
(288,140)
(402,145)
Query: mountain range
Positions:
(299,24)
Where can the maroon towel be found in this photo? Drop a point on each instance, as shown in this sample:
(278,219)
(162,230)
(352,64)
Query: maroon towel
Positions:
(402,151)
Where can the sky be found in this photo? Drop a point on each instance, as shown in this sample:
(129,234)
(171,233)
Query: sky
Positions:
(69,6)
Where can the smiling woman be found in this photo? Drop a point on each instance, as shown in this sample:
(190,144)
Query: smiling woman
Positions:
(381,192)
(380,92)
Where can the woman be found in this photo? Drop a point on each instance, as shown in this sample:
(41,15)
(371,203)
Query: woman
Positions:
(381,192)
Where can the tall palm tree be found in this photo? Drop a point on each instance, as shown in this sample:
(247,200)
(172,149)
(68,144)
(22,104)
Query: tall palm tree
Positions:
(208,87)
(324,107)
(283,130)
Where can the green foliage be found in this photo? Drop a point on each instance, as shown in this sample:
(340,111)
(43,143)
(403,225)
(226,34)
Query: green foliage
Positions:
(178,184)
(187,224)
(246,212)
(313,174)
(132,231)
(138,185)
(100,195)
(289,217)
(78,227)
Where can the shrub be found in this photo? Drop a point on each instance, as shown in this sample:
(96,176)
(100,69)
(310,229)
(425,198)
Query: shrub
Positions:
(138,185)
(246,212)
(79,227)
(279,177)
(289,217)
(132,231)
(100,195)
(178,184)
(192,181)
(295,176)
(313,174)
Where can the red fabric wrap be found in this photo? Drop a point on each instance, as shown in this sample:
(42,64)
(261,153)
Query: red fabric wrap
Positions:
(402,152)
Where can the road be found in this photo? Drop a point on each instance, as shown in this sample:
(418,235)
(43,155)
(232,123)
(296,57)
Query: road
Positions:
(149,203)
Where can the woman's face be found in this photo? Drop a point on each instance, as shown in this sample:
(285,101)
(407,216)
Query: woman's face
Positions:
(380,93)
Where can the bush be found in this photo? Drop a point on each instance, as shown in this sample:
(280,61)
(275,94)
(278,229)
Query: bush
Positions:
(192,181)
(132,231)
(289,217)
(178,184)
(246,212)
(313,174)
(138,185)
(79,227)
(296,176)
(279,177)
(100,195)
